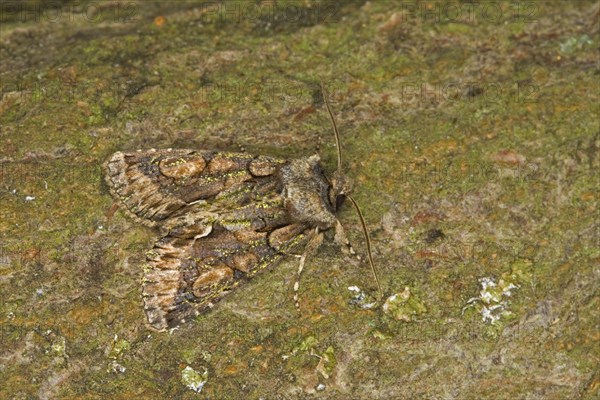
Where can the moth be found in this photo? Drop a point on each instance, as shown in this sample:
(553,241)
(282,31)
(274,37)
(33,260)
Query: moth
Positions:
(223,217)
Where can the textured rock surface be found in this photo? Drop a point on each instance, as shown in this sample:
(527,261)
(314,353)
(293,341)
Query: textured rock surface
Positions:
(472,135)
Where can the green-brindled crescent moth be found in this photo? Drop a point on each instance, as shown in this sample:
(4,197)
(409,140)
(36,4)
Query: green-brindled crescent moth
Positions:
(223,217)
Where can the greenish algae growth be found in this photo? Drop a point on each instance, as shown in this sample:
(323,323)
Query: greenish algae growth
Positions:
(404,306)
(193,379)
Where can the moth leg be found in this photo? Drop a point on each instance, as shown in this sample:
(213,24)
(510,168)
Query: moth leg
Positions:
(314,242)
(341,240)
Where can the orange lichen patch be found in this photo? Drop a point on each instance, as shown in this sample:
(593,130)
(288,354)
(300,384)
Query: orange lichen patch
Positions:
(30,254)
(316,317)
(509,157)
(303,112)
(111,211)
(588,196)
(84,315)
(441,147)
(178,167)
(159,21)
(232,369)
(423,217)
(292,331)
(257,349)
(68,74)
(428,254)
(14,380)
(392,23)
(594,386)
(562,270)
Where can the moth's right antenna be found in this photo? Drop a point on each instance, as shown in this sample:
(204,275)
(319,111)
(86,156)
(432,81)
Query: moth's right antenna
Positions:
(334,126)
(368,240)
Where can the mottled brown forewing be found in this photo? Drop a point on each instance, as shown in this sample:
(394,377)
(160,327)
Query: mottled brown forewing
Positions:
(222,219)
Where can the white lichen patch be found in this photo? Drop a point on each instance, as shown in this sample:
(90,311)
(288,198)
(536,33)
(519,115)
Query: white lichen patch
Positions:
(361,299)
(59,347)
(119,347)
(404,306)
(193,379)
(493,299)
(117,368)
(327,362)
(117,350)
(306,346)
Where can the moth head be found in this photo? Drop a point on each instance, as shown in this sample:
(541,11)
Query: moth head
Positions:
(341,187)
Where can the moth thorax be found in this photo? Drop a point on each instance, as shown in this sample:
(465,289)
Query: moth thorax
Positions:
(306,193)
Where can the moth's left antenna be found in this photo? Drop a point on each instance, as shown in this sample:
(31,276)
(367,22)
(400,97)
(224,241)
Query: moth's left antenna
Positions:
(334,126)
